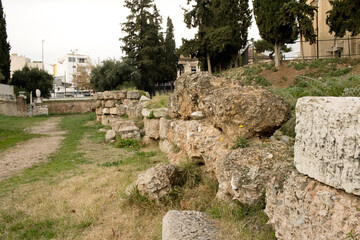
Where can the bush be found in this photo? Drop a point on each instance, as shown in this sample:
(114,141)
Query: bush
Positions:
(241,143)
(30,79)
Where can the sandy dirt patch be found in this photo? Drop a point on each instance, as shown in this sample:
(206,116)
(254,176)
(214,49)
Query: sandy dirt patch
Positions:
(34,151)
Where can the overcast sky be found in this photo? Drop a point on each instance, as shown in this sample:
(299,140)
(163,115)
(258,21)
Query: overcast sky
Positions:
(91,26)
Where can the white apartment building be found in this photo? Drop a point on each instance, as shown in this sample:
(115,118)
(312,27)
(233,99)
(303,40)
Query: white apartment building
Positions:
(64,69)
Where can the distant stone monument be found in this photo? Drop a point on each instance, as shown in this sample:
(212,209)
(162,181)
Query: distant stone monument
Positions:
(38,98)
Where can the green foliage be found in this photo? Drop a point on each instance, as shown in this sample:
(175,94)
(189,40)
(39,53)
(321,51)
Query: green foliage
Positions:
(109,164)
(113,74)
(272,27)
(144,44)
(30,79)
(189,174)
(151,115)
(222,31)
(263,45)
(353,235)
(160,101)
(299,65)
(128,143)
(344,16)
(241,143)
(4,49)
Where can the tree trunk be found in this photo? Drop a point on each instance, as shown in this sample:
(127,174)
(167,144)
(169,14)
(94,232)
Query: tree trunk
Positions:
(302,48)
(237,56)
(277,54)
(208,62)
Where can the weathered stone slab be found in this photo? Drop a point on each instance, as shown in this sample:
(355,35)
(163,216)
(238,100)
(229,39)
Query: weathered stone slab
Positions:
(157,181)
(188,225)
(163,127)
(133,95)
(327,145)
(303,208)
(152,128)
(110,136)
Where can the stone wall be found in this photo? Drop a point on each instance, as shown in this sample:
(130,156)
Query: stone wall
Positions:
(310,202)
(61,106)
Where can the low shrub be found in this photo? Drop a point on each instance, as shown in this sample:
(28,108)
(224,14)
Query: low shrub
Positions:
(241,143)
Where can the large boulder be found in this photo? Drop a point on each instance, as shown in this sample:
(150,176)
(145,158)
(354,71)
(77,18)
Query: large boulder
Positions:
(303,208)
(157,181)
(188,225)
(236,110)
(327,141)
(244,173)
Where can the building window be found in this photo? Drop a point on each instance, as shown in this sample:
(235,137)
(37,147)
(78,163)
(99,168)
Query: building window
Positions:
(81,60)
(193,68)
(71,59)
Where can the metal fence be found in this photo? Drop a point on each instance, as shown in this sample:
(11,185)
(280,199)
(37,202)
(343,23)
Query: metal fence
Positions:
(322,49)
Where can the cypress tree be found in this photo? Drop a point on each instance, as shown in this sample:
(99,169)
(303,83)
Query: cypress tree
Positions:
(272,28)
(171,59)
(143,43)
(4,49)
(344,16)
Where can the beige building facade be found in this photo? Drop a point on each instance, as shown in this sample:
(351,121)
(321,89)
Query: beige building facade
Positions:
(326,46)
(188,65)
(18,62)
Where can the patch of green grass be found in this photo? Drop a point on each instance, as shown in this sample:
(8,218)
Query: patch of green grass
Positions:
(109,164)
(151,115)
(64,159)
(20,226)
(252,70)
(139,157)
(299,65)
(128,143)
(12,130)
(241,143)
(160,101)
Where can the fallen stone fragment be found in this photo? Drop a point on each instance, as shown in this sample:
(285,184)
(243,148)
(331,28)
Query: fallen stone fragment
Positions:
(188,225)
(110,136)
(157,181)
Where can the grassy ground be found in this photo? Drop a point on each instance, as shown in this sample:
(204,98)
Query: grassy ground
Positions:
(80,194)
(12,130)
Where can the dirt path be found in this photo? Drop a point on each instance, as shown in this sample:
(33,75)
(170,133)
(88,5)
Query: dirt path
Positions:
(34,151)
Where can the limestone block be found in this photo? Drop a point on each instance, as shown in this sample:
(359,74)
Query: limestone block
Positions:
(165,146)
(327,141)
(110,104)
(114,111)
(144,100)
(145,112)
(188,225)
(121,95)
(106,111)
(99,111)
(98,103)
(98,96)
(121,110)
(110,136)
(151,127)
(157,181)
(133,95)
(244,173)
(103,103)
(164,125)
(303,208)
(107,95)
(160,112)
(129,132)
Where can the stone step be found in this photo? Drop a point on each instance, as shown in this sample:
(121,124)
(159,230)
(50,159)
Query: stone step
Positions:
(188,225)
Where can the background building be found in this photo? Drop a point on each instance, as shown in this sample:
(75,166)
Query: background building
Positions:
(63,72)
(187,65)
(18,62)
(326,45)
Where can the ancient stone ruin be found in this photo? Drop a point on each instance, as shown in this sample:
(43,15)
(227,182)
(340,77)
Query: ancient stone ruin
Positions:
(315,196)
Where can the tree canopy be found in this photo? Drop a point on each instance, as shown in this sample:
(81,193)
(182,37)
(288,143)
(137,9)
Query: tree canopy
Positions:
(30,79)
(262,46)
(222,31)
(113,74)
(4,49)
(273,27)
(145,46)
(344,16)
